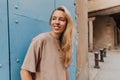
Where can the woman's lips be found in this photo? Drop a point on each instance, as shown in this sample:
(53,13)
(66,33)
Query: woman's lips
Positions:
(57,27)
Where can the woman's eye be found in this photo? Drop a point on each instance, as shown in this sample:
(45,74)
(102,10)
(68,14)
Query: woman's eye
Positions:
(53,18)
(62,19)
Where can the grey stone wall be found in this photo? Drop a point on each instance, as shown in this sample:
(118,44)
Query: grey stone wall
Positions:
(103,32)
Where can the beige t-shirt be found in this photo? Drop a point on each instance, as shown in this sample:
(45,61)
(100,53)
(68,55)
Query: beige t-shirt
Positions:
(44,59)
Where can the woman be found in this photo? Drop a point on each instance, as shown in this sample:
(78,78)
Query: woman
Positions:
(50,53)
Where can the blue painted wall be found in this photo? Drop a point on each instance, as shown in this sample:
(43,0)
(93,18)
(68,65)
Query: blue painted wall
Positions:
(20,21)
(4,50)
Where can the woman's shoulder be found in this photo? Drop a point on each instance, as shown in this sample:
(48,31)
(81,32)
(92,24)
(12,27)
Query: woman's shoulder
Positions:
(42,36)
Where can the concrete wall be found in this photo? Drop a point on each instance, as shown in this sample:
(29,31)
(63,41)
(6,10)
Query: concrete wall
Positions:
(82,40)
(94,5)
(103,32)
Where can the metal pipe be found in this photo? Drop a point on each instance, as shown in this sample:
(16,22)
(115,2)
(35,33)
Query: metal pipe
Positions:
(96,56)
(101,55)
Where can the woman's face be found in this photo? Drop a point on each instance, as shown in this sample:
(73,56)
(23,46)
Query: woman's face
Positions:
(58,22)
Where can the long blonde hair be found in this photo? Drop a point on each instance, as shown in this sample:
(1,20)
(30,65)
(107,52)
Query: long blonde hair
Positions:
(66,39)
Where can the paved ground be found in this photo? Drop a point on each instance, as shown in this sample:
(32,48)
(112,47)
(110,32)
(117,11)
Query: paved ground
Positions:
(109,70)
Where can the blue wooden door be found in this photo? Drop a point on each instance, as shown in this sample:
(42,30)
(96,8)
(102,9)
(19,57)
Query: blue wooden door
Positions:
(4,50)
(27,18)
(71,7)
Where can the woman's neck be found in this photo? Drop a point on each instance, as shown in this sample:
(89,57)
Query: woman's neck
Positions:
(57,36)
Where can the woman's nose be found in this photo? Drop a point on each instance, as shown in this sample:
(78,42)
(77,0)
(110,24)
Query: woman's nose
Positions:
(57,21)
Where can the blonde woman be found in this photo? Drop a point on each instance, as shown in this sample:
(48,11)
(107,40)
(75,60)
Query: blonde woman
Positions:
(50,53)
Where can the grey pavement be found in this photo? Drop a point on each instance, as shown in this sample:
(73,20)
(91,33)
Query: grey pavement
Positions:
(109,69)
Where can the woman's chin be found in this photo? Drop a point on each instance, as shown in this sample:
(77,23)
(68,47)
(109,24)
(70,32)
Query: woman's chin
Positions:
(57,32)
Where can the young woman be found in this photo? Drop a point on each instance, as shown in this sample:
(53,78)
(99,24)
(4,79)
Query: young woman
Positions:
(50,53)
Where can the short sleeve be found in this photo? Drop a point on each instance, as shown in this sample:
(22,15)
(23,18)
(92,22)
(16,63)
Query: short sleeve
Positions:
(33,56)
